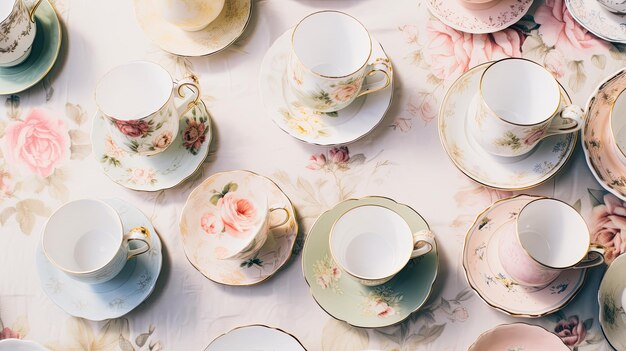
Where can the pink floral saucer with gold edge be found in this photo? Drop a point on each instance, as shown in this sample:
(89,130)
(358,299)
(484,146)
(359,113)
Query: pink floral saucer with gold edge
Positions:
(518,337)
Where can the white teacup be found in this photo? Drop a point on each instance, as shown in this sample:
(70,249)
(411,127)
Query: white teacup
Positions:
(372,244)
(330,58)
(549,236)
(86,240)
(139,100)
(17,31)
(617,6)
(191,15)
(518,105)
(618,127)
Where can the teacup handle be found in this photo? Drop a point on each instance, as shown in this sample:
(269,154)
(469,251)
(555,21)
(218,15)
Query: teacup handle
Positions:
(31,12)
(595,257)
(285,220)
(424,242)
(139,234)
(572,118)
(380,65)
(187,102)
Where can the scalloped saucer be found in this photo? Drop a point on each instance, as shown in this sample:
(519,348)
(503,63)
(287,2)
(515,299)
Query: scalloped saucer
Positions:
(255,337)
(598,20)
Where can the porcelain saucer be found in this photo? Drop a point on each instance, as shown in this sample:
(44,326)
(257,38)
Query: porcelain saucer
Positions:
(502,15)
(346,299)
(518,337)
(217,36)
(273,254)
(598,20)
(255,337)
(116,297)
(597,139)
(45,51)
(507,173)
(611,298)
(161,171)
(20,345)
(306,124)
(486,276)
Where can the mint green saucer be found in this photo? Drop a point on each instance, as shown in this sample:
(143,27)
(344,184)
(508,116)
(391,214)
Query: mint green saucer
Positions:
(361,306)
(44,54)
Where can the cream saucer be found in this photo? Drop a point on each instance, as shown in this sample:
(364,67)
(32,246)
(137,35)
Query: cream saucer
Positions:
(518,337)
(598,20)
(502,15)
(486,276)
(217,36)
(161,171)
(507,173)
(611,298)
(597,139)
(272,256)
(255,337)
(306,124)
(20,345)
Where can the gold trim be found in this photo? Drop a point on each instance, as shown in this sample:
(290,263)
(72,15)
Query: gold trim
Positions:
(295,221)
(293,51)
(432,284)
(600,302)
(476,290)
(31,12)
(494,329)
(619,149)
(254,325)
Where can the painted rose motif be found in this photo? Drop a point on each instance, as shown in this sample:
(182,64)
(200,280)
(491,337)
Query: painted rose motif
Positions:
(345,92)
(459,314)
(339,155)
(133,129)
(338,158)
(142,176)
(194,135)
(111,148)
(572,331)
(317,162)
(39,143)
(211,223)
(238,214)
(6,184)
(382,302)
(8,333)
(164,140)
(608,226)
(380,308)
(532,136)
(554,62)
(327,274)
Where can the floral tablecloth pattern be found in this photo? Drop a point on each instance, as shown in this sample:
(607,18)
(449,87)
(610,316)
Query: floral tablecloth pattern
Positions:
(46,160)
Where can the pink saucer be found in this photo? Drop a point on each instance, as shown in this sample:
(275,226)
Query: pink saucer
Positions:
(518,337)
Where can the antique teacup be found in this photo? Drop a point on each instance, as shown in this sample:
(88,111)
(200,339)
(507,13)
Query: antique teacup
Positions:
(17,31)
(479,4)
(139,100)
(518,105)
(372,244)
(617,6)
(85,239)
(190,15)
(618,126)
(330,58)
(548,237)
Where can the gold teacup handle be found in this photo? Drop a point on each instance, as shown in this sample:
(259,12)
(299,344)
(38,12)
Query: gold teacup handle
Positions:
(193,83)
(595,257)
(572,118)
(424,242)
(138,234)
(382,65)
(287,216)
(31,12)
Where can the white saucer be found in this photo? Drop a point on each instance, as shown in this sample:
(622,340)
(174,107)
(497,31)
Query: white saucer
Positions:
(116,297)
(342,127)
(598,20)
(255,337)
(20,345)
(611,300)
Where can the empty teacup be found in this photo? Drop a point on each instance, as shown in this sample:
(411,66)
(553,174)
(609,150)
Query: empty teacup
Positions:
(330,58)
(617,6)
(373,243)
(191,15)
(549,236)
(618,126)
(86,240)
(518,105)
(143,106)
(479,4)
(17,31)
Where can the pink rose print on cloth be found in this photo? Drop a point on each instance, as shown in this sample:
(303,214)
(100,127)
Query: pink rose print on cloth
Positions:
(572,331)
(233,213)
(608,226)
(8,333)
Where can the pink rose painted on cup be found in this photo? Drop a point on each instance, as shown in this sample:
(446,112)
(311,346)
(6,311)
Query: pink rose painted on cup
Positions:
(608,226)
(133,129)
(533,136)
(345,92)
(572,331)
(8,333)
(238,214)
(164,140)
(211,223)
(39,143)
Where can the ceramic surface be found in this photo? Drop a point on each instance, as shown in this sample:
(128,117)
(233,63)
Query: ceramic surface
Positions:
(479,4)
(272,255)
(614,5)
(488,278)
(600,153)
(20,345)
(218,35)
(17,32)
(43,55)
(303,123)
(115,297)
(518,337)
(611,300)
(598,20)
(164,170)
(191,15)
(255,337)
(348,300)
(492,19)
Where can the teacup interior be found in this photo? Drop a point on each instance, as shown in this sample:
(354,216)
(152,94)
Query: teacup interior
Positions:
(82,235)
(371,242)
(134,90)
(6,7)
(520,91)
(331,44)
(618,122)
(553,233)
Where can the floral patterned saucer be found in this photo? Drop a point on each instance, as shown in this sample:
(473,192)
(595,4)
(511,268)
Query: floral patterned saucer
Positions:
(255,337)
(20,345)
(116,297)
(611,298)
(341,127)
(343,297)
(518,337)
(161,171)
(502,15)
(273,254)
(506,173)
(597,139)
(598,20)
(44,53)
(487,277)
(217,36)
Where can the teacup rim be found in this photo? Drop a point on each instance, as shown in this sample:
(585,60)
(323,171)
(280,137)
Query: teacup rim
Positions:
(614,141)
(2,19)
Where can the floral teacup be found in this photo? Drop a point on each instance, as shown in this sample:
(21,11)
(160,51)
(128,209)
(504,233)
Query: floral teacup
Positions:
(519,104)
(138,100)
(330,58)
(191,15)
(17,31)
(618,126)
